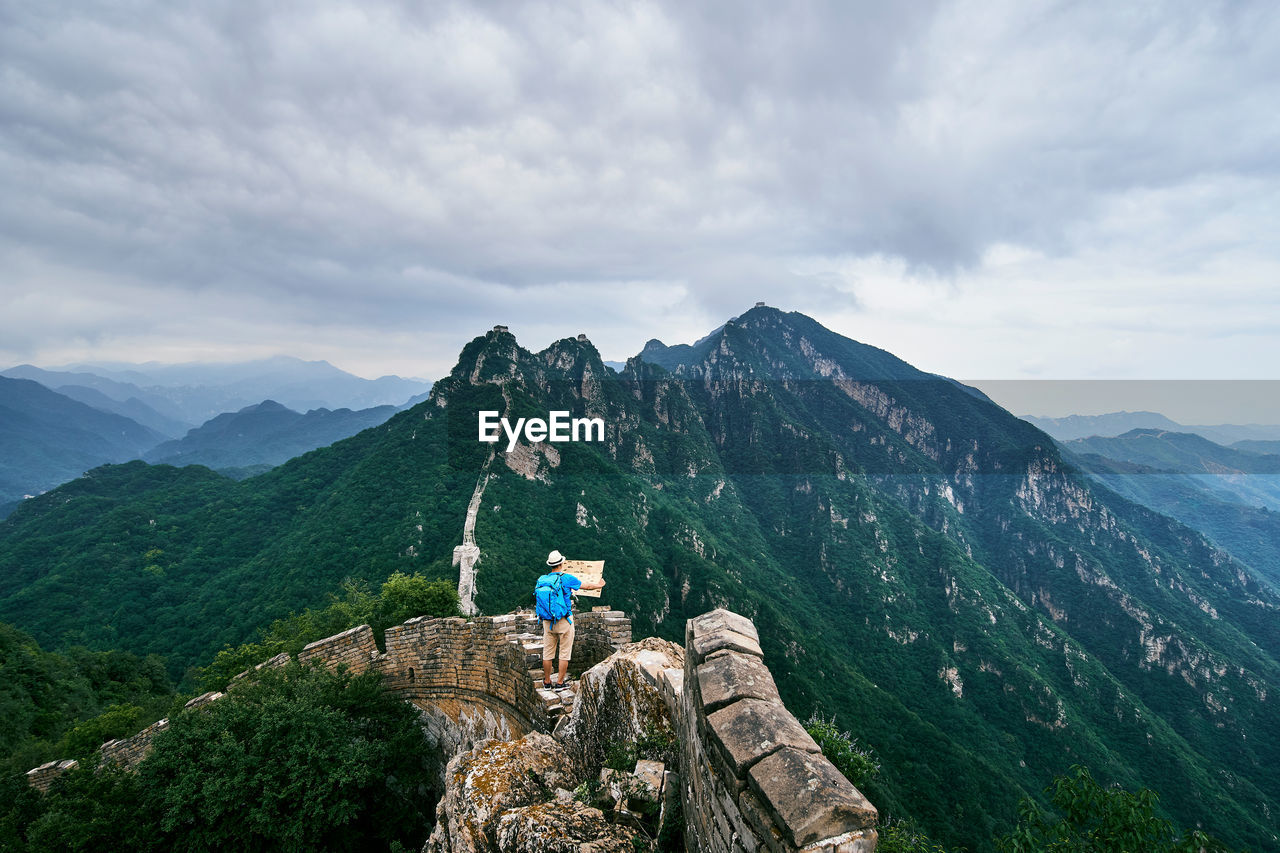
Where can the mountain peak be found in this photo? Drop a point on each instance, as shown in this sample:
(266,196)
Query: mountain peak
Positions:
(264,406)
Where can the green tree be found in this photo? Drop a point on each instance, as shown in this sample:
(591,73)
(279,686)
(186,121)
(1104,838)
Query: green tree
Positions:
(45,696)
(117,721)
(85,809)
(1097,819)
(301,758)
(355,605)
(405,596)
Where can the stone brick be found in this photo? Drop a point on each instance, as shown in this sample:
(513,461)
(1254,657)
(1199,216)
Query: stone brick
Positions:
(651,774)
(757,816)
(727,678)
(751,729)
(723,620)
(707,644)
(808,797)
(672,687)
(863,841)
(202,699)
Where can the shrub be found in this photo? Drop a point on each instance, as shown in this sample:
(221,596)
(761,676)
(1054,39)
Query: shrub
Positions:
(855,761)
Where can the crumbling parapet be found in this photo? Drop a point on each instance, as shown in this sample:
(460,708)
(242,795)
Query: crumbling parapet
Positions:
(128,752)
(41,778)
(753,777)
(354,648)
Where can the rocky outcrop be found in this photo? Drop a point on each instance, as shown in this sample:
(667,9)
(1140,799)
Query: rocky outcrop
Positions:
(504,797)
(488,781)
(620,701)
(515,796)
(565,827)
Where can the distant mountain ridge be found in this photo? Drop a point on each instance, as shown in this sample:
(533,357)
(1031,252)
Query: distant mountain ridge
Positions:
(1114,423)
(194,393)
(1177,452)
(48,441)
(48,438)
(132,408)
(1074,427)
(109,388)
(1229,494)
(1238,476)
(264,434)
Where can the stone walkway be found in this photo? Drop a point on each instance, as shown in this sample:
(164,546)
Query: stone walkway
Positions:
(557,702)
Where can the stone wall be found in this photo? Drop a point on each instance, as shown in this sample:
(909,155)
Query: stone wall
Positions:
(753,777)
(463,669)
(42,777)
(598,634)
(354,648)
(470,678)
(128,752)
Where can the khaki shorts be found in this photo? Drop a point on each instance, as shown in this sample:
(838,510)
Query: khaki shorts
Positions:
(562,631)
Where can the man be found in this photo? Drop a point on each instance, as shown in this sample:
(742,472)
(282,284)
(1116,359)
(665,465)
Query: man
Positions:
(559,632)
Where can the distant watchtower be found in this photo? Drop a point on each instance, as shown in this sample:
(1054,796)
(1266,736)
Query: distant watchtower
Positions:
(499,328)
(760,305)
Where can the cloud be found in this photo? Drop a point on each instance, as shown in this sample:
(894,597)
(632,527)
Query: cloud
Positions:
(381,169)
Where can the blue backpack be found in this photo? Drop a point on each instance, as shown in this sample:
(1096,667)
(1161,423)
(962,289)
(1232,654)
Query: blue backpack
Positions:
(549,599)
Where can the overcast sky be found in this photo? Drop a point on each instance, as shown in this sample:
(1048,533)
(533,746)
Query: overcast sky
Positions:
(988,190)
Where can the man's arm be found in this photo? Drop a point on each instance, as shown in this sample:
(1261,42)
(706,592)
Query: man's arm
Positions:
(575,582)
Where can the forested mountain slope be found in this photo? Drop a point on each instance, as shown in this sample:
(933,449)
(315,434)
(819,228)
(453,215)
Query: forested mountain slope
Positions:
(264,434)
(48,438)
(919,562)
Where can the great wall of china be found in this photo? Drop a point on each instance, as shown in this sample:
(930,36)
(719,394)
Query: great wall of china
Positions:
(751,776)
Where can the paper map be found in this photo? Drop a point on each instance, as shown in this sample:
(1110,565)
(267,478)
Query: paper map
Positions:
(587,571)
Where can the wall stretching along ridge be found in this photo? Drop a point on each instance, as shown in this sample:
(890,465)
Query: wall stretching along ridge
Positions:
(753,778)
(470,676)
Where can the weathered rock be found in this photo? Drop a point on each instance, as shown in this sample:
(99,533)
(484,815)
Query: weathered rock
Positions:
(809,798)
(490,780)
(618,700)
(650,774)
(617,782)
(565,828)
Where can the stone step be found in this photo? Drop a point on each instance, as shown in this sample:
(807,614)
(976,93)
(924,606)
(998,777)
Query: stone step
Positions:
(556,702)
(531,645)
